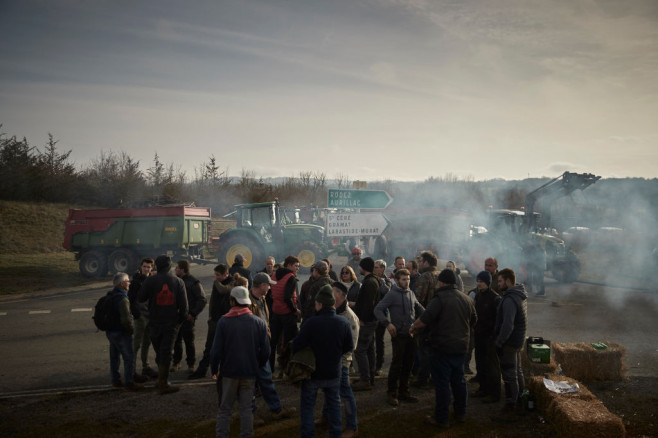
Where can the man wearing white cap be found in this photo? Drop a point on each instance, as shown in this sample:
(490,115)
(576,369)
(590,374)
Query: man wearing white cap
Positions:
(240,348)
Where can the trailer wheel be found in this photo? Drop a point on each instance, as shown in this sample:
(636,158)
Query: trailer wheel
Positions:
(308,253)
(93,264)
(122,260)
(251,251)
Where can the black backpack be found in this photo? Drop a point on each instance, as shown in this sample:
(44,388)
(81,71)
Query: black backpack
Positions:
(105,313)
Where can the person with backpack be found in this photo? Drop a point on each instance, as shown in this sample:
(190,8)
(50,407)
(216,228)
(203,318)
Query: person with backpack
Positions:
(119,331)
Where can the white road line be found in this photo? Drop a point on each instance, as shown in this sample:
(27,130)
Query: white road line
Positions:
(82,309)
(3,313)
(38,312)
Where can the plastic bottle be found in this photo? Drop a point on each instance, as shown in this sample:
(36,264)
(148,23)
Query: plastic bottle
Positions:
(524,398)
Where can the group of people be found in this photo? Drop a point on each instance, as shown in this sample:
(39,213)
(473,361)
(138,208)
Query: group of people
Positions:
(335,322)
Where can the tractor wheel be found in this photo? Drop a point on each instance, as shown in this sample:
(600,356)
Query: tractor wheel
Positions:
(122,260)
(93,264)
(567,272)
(252,252)
(308,253)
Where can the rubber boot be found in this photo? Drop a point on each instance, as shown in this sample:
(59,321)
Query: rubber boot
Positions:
(163,381)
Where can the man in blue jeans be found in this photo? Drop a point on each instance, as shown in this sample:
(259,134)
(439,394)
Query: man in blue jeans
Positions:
(329,336)
(450,316)
(120,335)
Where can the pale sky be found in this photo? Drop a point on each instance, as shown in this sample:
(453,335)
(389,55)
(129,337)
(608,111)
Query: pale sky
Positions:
(370,89)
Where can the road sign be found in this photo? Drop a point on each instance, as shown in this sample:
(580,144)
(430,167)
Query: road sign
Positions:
(358,199)
(355,224)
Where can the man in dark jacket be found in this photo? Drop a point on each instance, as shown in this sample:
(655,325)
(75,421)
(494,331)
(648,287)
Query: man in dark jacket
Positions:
(196,302)
(320,275)
(240,348)
(238,268)
(450,317)
(329,336)
(167,304)
(402,307)
(141,338)
(366,301)
(120,334)
(510,330)
(425,287)
(486,359)
(218,306)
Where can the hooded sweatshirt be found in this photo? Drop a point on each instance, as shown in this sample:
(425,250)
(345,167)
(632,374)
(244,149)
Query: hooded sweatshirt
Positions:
(403,308)
(512,317)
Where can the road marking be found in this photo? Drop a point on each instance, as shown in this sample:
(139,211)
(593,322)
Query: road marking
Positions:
(82,309)
(38,312)
(3,313)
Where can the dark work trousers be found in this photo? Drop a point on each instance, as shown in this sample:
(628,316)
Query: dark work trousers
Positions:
(404,350)
(422,360)
(510,369)
(364,354)
(487,366)
(185,334)
(204,363)
(379,346)
(283,329)
(163,337)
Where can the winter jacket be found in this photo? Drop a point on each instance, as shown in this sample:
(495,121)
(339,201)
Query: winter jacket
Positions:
(244,272)
(368,298)
(486,307)
(308,309)
(512,317)
(352,290)
(241,346)
(123,318)
(450,316)
(403,308)
(346,312)
(427,284)
(196,297)
(220,302)
(284,292)
(330,337)
(133,289)
(166,296)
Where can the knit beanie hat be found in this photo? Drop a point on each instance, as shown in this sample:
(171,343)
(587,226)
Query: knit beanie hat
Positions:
(368,264)
(447,276)
(325,296)
(163,263)
(484,277)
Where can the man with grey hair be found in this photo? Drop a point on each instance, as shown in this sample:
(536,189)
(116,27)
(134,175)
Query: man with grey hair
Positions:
(120,334)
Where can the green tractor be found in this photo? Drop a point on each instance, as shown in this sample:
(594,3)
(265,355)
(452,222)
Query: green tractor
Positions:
(262,230)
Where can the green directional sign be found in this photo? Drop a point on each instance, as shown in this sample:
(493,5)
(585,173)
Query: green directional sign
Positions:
(358,199)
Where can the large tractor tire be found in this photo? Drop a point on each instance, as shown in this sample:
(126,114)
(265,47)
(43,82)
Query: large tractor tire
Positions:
(252,252)
(308,253)
(567,271)
(93,264)
(122,260)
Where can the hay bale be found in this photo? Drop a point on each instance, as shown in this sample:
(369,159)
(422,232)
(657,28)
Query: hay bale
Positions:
(573,417)
(544,398)
(583,362)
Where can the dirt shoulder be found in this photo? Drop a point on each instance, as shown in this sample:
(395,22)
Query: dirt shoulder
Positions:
(191,413)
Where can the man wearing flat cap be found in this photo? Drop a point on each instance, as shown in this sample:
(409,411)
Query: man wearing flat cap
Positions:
(330,337)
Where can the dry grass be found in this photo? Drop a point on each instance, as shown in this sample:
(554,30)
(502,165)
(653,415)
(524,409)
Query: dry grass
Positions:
(583,362)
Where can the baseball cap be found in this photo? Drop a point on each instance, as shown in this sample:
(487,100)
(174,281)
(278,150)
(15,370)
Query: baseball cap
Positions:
(241,295)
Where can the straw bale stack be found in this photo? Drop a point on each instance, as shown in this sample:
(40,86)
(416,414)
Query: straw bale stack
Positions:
(583,362)
(574,417)
(544,398)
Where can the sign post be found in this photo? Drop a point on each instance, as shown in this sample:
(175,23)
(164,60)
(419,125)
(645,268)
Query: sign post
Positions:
(355,224)
(376,199)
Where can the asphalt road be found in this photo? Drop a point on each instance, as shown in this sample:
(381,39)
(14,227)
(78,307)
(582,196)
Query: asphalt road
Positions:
(49,342)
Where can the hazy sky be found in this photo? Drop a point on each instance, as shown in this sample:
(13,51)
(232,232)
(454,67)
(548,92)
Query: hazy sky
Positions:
(370,89)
